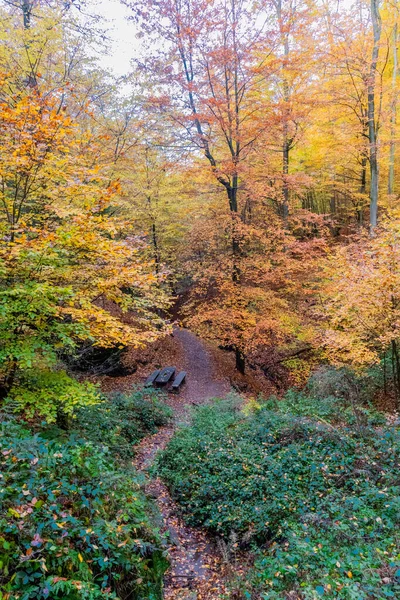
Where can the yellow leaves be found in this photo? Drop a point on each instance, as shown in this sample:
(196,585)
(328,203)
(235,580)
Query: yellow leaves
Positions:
(55,228)
(107,330)
(360,299)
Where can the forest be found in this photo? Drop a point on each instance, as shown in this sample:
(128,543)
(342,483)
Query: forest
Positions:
(230,205)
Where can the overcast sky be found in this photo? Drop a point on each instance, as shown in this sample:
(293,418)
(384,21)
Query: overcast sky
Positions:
(120,30)
(124,44)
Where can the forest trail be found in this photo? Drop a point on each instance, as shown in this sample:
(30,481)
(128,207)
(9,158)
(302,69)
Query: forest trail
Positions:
(197,569)
(202,381)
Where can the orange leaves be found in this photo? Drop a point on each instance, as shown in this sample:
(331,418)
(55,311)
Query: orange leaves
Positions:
(55,192)
(260,310)
(361,297)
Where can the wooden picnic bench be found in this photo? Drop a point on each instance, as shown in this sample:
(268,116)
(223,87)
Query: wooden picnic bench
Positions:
(165,375)
(178,381)
(151,378)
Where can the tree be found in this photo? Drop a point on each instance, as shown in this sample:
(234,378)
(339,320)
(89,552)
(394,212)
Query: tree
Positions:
(61,254)
(361,301)
(290,86)
(373,124)
(209,49)
(393,108)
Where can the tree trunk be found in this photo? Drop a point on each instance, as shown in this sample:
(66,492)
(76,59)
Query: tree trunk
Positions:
(363,177)
(396,372)
(285,173)
(286,142)
(393,118)
(240,361)
(233,206)
(372,117)
(26,12)
(363,188)
(155,247)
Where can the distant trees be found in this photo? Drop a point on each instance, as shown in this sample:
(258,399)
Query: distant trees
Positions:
(213,80)
(373,122)
(394,101)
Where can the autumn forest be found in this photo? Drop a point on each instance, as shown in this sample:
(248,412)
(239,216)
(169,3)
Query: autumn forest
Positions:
(229,205)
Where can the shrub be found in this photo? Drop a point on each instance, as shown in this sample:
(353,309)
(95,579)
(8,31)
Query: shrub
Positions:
(330,409)
(122,420)
(72,526)
(52,395)
(320,503)
(345,384)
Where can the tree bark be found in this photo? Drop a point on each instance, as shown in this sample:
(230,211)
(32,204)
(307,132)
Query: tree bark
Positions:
(363,189)
(286,142)
(372,117)
(155,247)
(26,12)
(396,372)
(393,118)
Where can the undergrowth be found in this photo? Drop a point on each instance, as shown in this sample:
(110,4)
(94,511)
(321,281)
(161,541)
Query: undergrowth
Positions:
(310,487)
(120,421)
(74,523)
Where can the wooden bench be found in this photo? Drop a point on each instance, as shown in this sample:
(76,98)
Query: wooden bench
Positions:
(151,378)
(179,379)
(165,375)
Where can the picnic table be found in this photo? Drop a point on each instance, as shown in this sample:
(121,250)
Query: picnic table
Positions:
(161,377)
(165,375)
(151,378)
(178,381)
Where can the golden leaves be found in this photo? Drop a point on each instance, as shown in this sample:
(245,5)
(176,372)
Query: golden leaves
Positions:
(55,228)
(361,299)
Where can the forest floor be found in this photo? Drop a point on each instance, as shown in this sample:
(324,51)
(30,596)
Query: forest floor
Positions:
(197,571)
(197,568)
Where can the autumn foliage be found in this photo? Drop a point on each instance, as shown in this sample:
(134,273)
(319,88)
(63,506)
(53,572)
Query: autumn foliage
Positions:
(240,179)
(62,254)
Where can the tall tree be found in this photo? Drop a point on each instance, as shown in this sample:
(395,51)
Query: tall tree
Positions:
(209,49)
(393,108)
(373,120)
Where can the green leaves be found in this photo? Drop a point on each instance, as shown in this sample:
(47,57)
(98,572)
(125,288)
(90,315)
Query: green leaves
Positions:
(320,503)
(47,394)
(122,420)
(70,523)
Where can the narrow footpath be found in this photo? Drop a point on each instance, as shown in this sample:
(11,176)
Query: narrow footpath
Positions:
(197,569)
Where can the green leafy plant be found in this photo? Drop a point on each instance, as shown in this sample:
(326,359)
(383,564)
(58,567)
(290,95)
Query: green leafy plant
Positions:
(122,420)
(72,525)
(52,395)
(317,498)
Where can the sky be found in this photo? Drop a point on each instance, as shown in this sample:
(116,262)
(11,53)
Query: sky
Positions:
(121,32)
(124,44)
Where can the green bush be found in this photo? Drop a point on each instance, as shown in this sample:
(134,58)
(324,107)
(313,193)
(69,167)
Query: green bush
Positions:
(330,409)
(51,395)
(122,420)
(319,503)
(72,525)
(346,385)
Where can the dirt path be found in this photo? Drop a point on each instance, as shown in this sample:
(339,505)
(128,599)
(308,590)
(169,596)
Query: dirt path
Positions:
(203,382)
(197,571)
